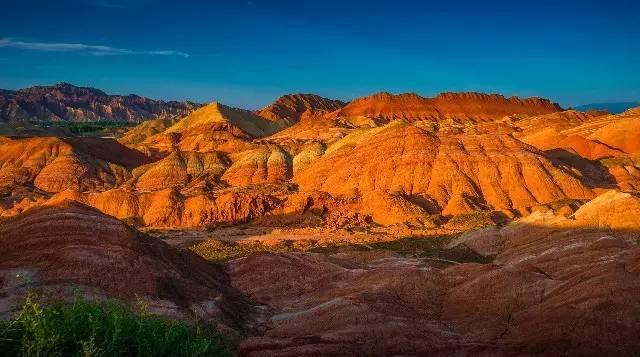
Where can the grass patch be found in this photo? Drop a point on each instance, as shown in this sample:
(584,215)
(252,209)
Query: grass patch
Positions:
(472,220)
(433,248)
(84,328)
(627,160)
(566,202)
(220,251)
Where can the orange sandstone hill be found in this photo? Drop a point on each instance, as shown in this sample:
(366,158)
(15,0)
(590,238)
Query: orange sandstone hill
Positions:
(456,174)
(474,107)
(55,164)
(521,218)
(410,156)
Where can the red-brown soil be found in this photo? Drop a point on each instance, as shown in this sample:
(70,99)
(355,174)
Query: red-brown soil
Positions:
(556,287)
(54,248)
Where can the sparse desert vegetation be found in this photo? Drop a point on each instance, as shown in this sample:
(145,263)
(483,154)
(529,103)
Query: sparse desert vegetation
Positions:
(220,251)
(433,249)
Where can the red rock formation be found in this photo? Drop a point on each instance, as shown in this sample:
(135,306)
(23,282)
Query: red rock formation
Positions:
(264,164)
(212,127)
(54,246)
(467,156)
(611,139)
(170,208)
(557,287)
(54,165)
(180,169)
(460,173)
(622,134)
(557,131)
(292,106)
(473,107)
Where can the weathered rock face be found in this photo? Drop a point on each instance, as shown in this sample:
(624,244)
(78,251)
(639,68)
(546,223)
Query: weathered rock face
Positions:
(70,103)
(170,208)
(563,279)
(460,173)
(53,164)
(611,212)
(472,107)
(52,246)
(603,147)
(180,169)
(569,130)
(238,119)
(264,164)
(622,134)
(558,286)
(396,159)
(291,107)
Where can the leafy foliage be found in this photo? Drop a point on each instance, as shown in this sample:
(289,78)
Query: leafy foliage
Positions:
(85,328)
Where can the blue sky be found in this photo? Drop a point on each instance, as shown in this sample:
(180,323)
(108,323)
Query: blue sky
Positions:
(248,52)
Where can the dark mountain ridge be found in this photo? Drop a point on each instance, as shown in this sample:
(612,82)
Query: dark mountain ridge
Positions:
(66,102)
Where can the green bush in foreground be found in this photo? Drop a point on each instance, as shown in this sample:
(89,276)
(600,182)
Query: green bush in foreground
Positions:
(84,328)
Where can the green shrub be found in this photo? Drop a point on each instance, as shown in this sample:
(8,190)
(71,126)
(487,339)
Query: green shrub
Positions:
(84,328)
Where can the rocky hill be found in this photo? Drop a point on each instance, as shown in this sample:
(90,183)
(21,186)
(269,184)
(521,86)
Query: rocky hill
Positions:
(557,286)
(291,107)
(66,102)
(413,158)
(473,107)
(53,246)
(521,224)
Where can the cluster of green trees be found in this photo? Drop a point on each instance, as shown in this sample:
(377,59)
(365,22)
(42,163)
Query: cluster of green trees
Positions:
(86,128)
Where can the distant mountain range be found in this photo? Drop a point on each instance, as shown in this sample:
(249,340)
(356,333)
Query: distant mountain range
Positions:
(66,102)
(613,108)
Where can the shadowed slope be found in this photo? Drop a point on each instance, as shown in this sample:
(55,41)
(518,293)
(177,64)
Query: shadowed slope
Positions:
(557,287)
(291,107)
(54,247)
(70,103)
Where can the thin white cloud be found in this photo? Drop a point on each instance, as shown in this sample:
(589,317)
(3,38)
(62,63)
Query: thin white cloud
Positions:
(96,50)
